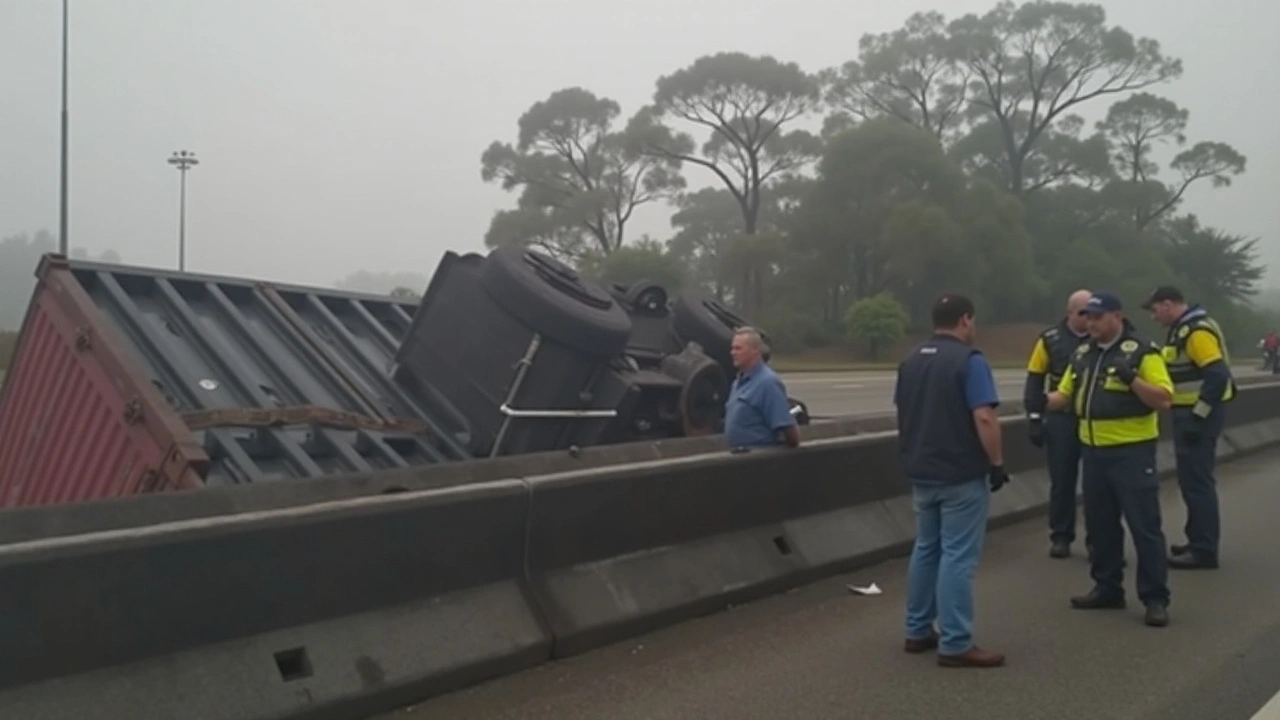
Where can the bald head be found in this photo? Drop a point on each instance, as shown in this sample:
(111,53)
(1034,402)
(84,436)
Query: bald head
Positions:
(1075,303)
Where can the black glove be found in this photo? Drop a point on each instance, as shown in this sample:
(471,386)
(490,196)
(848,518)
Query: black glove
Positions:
(998,477)
(1126,373)
(1035,430)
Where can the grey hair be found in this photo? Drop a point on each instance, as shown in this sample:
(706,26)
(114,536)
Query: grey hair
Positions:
(753,336)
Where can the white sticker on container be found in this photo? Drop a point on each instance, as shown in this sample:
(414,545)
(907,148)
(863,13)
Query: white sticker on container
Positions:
(209,384)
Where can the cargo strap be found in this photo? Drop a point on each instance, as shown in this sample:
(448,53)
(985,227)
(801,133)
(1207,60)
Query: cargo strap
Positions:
(299,415)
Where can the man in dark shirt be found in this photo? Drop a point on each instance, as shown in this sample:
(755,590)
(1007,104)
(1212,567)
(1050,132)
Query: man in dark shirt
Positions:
(757,412)
(950,445)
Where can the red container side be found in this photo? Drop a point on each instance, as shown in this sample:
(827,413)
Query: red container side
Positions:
(78,421)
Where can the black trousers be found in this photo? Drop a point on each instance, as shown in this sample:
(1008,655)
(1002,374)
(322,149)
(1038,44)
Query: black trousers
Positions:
(1121,482)
(1196,478)
(1062,443)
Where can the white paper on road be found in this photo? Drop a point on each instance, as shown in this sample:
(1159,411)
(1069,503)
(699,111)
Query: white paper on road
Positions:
(871,589)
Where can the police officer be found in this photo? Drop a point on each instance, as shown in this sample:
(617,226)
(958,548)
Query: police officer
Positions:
(1049,359)
(1116,382)
(1196,354)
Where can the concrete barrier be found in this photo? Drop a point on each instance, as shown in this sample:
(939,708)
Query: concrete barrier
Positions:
(622,550)
(322,611)
(341,610)
(21,524)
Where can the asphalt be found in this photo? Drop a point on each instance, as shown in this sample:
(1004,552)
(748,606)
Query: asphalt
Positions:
(822,652)
(836,394)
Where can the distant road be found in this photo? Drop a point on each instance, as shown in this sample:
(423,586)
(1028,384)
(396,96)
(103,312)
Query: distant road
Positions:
(834,394)
(861,393)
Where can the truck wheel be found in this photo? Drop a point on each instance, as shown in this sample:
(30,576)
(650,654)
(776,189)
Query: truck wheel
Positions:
(705,321)
(704,390)
(554,301)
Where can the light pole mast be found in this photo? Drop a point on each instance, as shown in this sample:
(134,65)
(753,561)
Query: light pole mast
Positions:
(184,161)
(62,193)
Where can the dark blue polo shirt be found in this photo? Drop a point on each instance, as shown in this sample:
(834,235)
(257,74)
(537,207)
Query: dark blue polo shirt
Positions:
(757,409)
(940,384)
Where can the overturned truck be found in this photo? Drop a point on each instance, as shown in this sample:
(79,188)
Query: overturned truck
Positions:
(130,380)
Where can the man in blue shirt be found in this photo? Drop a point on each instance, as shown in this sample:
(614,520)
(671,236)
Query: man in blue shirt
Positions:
(950,444)
(757,412)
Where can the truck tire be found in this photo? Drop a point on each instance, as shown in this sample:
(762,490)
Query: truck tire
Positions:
(705,388)
(555,302)
(703,320)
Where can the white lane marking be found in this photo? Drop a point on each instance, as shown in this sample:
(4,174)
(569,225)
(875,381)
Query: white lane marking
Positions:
(1270,711)
(848,386)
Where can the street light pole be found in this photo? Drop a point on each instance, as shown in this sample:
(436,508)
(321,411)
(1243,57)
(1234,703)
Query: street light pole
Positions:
(62,196)
(183,160)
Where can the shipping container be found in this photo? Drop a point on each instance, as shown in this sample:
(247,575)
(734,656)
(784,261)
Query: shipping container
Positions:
(129,380)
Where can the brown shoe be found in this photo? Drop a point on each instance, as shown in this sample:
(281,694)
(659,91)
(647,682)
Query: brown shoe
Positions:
(923,645)
(975,657)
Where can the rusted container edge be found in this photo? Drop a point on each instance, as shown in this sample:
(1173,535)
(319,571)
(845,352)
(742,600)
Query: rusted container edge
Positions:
(181,461)
(184,454)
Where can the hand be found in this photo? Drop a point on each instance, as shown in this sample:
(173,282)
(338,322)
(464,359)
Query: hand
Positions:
(998,477)
(1035,430)
(1126,374)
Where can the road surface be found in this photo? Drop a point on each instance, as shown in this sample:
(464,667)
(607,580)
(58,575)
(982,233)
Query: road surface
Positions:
(857,393)
(821,652)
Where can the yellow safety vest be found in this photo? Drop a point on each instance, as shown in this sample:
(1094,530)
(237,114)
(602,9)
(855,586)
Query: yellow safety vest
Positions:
(1187,377)
(1109,412)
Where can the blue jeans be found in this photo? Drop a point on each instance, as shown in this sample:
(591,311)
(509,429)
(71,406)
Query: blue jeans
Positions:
(951,523)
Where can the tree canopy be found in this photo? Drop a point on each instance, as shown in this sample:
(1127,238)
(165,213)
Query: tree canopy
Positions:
(580,179)
(1014,155)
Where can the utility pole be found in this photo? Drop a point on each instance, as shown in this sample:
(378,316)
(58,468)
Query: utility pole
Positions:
(184,161)
(62,195)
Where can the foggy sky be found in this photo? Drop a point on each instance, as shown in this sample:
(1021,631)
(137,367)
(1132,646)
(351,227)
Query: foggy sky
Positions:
(354,129)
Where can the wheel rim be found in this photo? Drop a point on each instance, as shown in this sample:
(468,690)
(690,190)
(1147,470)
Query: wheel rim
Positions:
(703,399)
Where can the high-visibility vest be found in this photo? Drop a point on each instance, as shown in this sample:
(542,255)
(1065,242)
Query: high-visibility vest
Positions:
(1109,412)
(1188,378)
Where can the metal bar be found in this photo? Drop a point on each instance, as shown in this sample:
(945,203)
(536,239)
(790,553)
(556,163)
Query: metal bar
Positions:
(378,375)
(281,437)
(222,440)
(344,451)
(149,342)
(63,247)
(566,430)
(182,222)
(522,369)
(292,451)
(388,340)
(327,364)
(514,413)
(400,313)
(374,440)
(235,373)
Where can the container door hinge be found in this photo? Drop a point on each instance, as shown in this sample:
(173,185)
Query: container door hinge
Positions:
(149,481)
(133,411)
